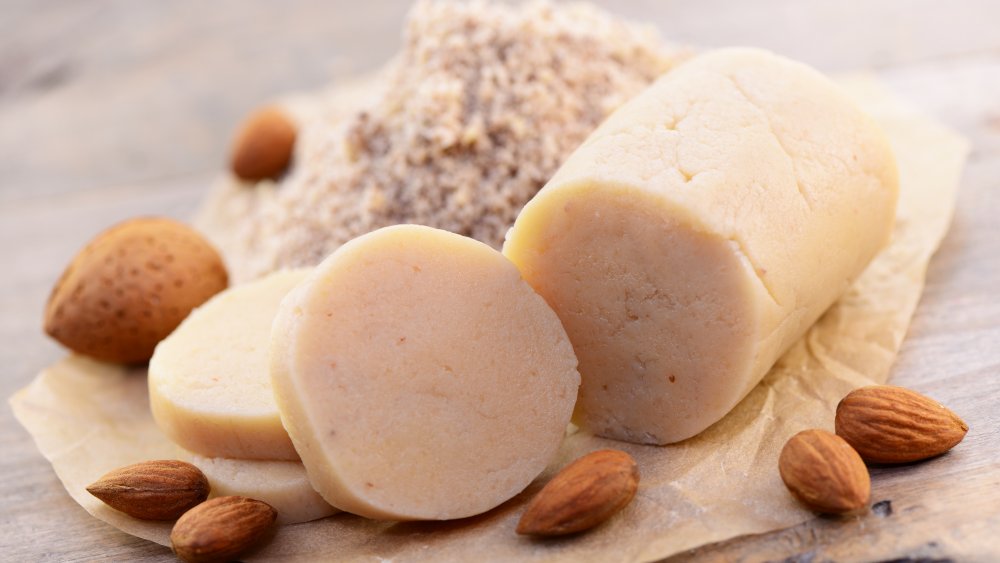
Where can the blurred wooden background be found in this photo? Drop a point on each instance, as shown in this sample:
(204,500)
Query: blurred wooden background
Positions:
(109,109)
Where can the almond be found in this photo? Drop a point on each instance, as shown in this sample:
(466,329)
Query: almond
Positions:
(130,287)
(221,529)
(263,146)
(888,424)
(152,490)
(585,493)
(824,473)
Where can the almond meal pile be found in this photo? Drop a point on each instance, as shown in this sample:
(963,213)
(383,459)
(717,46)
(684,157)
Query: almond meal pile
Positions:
(458,131)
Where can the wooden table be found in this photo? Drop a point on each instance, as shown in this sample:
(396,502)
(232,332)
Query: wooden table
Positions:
(112,109)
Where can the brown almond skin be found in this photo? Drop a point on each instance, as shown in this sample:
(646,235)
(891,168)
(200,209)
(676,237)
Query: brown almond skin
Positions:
(153,490)
(221,529)
(824,473)
(264,145)
(582,495)
(888,424)
(130,287)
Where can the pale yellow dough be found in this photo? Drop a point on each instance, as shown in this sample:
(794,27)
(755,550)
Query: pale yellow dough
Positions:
(420,377)
(282,484)
(699,232)
(209,381)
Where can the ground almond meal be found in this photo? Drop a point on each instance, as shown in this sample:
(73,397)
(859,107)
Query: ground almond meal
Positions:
(458,131)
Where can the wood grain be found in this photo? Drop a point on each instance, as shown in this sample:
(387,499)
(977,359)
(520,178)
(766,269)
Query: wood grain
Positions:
(110,109)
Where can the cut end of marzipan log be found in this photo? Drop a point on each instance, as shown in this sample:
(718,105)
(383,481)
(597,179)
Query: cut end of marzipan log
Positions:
(699,232)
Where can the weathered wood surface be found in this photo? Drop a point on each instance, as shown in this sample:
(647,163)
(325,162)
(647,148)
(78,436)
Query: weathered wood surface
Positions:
(113,109)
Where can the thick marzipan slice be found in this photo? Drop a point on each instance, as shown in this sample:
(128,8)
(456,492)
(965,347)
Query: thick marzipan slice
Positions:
(420,377)
(699,231)
(282,484)
(209,381)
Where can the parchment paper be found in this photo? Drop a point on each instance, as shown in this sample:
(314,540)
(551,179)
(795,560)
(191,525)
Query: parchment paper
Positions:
(88,418)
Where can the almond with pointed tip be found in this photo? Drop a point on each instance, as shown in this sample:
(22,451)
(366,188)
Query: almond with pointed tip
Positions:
(888,424)
(153,490)
(823,472)
(221,529)
(582,495)
(264,145)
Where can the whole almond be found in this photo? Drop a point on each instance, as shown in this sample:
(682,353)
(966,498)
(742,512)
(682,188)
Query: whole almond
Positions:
(221,529)
(585,493)
(153,490)
(888,424)
(263,146)
(130,287)
(823,472)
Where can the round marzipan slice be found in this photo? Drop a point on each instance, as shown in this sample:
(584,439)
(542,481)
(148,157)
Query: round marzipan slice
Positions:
(282,484)
(420,377)
(209,383)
